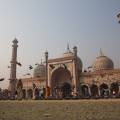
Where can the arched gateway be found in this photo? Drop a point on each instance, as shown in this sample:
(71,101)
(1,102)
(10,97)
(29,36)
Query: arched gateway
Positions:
(63,74)
(61,83)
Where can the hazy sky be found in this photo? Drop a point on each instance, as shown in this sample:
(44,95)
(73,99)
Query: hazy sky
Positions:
(51,24)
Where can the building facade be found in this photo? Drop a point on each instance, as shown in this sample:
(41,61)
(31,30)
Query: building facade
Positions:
(64,77)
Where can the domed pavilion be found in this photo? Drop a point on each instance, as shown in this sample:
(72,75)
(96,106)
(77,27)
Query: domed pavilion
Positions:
(103,62)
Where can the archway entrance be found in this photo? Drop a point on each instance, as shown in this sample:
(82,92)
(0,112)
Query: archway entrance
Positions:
(24,93)
(61,83)
(94,90)
(29,94)
(36,93)
(114,89)
(85,91)
(104,90)
(66,90)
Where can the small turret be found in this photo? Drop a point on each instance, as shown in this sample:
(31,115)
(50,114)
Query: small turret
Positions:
(75,50)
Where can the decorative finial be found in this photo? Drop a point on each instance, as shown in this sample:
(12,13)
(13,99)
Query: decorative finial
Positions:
(41,62)
(68,47)
(15,40)
(101,53)
(46,52)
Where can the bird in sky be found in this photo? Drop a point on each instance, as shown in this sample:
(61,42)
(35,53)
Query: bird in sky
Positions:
(30,67)
(1,79)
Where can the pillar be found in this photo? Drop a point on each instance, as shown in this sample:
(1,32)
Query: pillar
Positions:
(89,90)
(75,73)
(99,92)
(13,69)
(46,73)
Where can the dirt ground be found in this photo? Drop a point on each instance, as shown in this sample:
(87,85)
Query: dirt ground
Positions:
(107,109)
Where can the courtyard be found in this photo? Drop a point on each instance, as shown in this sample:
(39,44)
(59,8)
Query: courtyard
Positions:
(104,109)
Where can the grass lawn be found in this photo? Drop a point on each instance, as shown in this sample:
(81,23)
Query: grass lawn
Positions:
(60,110)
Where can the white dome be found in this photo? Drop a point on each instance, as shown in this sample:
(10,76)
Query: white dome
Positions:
(39,71)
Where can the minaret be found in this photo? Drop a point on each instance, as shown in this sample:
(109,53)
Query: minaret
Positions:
(46,71)
(13,69)
(68,48)
(47,90)
(75,81)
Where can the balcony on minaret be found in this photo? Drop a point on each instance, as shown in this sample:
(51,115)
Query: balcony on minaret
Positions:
(15,41)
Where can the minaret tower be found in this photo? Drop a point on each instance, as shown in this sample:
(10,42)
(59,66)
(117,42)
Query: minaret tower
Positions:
(13,69)
(46,70)
(75,70)
(47,91)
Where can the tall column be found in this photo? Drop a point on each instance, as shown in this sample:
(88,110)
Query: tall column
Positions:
(46,65)
(75,76)
(46,74)
(89,90)
(13,69)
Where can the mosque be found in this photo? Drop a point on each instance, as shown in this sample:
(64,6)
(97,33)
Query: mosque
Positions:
(63,77)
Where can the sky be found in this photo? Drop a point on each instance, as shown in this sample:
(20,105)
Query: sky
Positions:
(41,25)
